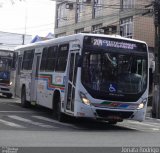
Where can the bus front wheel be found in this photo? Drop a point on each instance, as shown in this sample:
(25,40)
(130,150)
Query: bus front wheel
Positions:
(9,95)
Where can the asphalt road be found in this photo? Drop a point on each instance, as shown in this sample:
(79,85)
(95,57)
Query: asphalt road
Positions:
(35,127)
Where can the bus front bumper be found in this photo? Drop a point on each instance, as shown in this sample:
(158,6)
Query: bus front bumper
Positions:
(6,90)
(109,114)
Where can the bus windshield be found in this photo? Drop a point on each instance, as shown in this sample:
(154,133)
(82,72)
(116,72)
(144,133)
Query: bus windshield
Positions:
(6,63)
(114,72)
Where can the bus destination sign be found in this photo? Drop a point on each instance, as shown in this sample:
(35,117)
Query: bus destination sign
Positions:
(114,44)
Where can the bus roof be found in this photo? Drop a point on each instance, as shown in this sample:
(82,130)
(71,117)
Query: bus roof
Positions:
(2,48)
(73,37)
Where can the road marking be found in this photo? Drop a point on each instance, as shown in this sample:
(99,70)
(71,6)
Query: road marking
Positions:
(155,129)
(150,118)
(51,120)
(54,121)
(145,124)
(31,122)
(153,123)
(11,124)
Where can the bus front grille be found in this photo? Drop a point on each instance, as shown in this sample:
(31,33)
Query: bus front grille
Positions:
(4,89)
(108,113)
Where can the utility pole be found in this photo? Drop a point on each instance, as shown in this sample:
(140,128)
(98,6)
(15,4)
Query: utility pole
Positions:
(156,98)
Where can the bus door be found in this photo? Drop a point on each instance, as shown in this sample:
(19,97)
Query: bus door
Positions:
(71,81)
(18,76)
(34,80)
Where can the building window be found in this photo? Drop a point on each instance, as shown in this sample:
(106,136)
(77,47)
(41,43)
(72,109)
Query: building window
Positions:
(96,27)
(126,27)
(97,8)
(61,14)
(110,29)
(127,4)
(79,30)
(80,9)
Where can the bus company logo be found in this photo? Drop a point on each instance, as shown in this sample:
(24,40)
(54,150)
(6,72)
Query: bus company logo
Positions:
(114,104)
(41,87)
(58,79)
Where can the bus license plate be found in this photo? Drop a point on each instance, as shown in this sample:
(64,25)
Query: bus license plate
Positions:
(114,118)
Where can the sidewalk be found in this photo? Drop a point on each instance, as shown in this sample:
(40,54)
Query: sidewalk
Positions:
(148,113)
(149,107)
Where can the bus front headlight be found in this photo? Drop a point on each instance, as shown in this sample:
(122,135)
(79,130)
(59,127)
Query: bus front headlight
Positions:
(10,83)
(142,104)
(84,99)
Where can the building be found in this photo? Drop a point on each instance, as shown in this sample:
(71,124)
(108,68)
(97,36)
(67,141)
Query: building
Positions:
(128,18)
(39,38)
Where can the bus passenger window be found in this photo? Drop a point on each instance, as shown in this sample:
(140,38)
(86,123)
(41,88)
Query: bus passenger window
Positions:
(62,58)
(51,58)
(44,59)
(28,60)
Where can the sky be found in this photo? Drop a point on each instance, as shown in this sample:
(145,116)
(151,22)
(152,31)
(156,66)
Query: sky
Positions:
(34,17)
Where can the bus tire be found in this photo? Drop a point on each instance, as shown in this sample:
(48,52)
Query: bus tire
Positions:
(112,122)
(57,114)
(24,102)
(9,95)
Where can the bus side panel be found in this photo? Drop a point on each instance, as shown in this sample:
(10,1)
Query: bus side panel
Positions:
(47,84)
(26,81)
(44,95)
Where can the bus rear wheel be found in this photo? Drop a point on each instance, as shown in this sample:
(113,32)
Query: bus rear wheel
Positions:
(24,102)
(9,95)
(57,114)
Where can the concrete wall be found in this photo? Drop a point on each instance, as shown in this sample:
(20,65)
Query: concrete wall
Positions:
(109,15)
(144,29)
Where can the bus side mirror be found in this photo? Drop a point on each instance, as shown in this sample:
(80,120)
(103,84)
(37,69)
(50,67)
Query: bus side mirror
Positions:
(79,61)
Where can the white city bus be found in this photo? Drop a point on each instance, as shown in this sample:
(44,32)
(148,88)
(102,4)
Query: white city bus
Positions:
(7,72)
(86,75)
